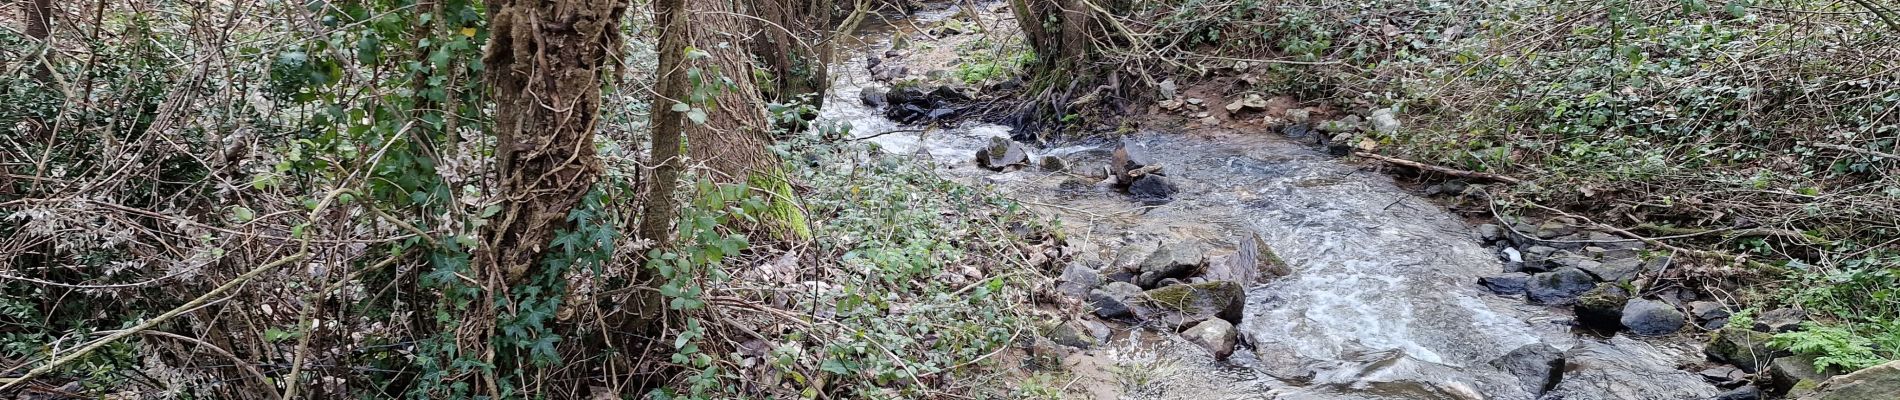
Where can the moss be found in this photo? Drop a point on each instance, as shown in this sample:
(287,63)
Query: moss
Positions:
(1204,297)
(784,217)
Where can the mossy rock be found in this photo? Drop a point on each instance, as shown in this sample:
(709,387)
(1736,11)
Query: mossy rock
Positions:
(1183,305)
(1743,348)
(1602,308)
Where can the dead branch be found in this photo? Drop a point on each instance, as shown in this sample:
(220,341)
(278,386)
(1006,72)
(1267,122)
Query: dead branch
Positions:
(1442,170)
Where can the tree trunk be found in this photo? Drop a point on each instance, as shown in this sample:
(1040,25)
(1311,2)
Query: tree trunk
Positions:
(656,218)
(39,23)
(732,141)
(545,61)
(793,43)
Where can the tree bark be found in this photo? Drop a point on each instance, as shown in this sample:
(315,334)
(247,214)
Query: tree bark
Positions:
(39,23)
(545,61)
(657,215)
(793,43)
(732,141)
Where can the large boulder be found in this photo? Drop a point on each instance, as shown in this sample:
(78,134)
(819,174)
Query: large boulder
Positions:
(1217,335)
(1559,287)
(1537,366)
(1880,382)
(1651,318)
(1112,300)
(1184,305)
(1742,348)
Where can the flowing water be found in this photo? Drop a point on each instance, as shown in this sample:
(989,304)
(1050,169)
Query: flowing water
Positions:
(1382,303)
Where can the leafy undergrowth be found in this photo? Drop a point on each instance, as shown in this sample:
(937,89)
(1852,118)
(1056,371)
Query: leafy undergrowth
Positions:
(915,287)
(1765,130)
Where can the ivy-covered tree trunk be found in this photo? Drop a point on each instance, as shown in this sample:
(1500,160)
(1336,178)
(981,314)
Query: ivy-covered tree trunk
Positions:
(657,215)
(546,62)
(731,139)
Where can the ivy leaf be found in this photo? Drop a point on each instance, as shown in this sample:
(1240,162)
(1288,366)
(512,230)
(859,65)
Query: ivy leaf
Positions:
(681,107)
(697,115)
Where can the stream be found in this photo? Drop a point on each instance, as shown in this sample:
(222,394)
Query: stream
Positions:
(1382,303)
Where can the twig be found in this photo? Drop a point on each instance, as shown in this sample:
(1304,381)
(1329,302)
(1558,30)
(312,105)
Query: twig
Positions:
(885,133)
(303,250)
(1855,150)
(1438,169)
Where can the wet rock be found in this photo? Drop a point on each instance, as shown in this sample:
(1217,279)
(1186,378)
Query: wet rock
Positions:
(1490,233)
(1166,282)
(1339,145)
(1121,275)
(1740,393)
(1252,263)
(1537,366)
(1153,190)
(1513,260)
(1621,368)
(1112,300)
(1183,305)
(1172,260)
(906,95)
(947,94)
(1216,335)
(1078,279)
(1741,348)
(1296,130)
(1794,375)
(1651,318)
(939,114)
(1054,164)
(1510,284)
(1538,258)
(1723,374)
(1002,153)
(1780,320)
(1878,382)
(871,96)
(1601,308)
(1385,121)
(1559,287)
